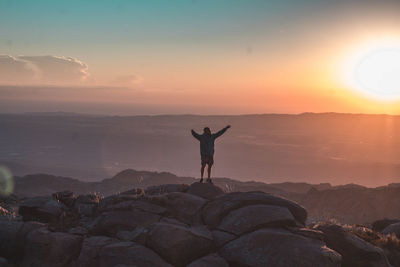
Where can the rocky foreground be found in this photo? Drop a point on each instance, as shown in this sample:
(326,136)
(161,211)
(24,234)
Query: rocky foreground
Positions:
(180,225)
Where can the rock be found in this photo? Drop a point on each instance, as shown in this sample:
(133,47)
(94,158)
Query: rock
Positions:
(3,262)
(115,199)
(42,209)
(379,225)
(354,250)
(10,245)
(87,204)
(129,254)
(109,223)
(136,204)
(78,230)
(278,248)
(254,217)
(215,210)
(392,229)
(166,188)
(139,235)
(184,207)
(205,190)
(85,209)
(179,245)
(212,260)
(90,252)
(310,233)
(221,238)
(66,197)
(45,248)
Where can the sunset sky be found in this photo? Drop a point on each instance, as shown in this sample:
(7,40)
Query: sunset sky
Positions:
(204,56)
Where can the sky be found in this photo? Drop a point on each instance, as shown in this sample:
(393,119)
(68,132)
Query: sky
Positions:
(200,56)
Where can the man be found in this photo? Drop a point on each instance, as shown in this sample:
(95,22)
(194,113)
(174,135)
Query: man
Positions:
(207,149)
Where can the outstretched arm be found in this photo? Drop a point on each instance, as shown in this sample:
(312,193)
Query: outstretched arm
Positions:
(195,135)
(221,132)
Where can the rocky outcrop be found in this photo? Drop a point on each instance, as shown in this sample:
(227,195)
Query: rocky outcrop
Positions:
(355,251)
(278,248)
(176,226)
(392,229)
(216,209)
(45,248)
(42,209)
(180,245)
(206,191)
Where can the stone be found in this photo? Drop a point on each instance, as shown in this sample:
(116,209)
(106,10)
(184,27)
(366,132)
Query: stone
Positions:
(205,190)
(129,253)
(278,248)
(254,217)
(392,229)
(45,248)
(215,210)
(221,238)
(10,245)
(79,230)
(42,209)
(90,252)
(109,223)
(379,225)
(354,250)
(212,260)
(179,245)
(182,206)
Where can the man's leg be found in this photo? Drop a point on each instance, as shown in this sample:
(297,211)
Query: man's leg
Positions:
(209,172)
(202,171)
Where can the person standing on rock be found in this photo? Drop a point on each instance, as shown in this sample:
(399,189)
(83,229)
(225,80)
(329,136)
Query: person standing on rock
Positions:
(207,140)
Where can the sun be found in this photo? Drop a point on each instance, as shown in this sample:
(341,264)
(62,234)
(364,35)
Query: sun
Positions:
(376,72)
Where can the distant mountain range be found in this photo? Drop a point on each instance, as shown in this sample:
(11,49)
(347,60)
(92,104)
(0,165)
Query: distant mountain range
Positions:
(349,203)
(312,148)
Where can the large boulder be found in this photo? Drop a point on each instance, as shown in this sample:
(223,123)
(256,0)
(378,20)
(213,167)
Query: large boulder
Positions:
(392,229)
(110,223)
(10,245)
(355,251)
(221,237)
(212,260)
(184,207)
(379,225)
(42,209)
(90,252)
(136,205)
(254,217)
(45,248)
(278,248)
(179,245)
(129,254)
(215,210)
(205,190)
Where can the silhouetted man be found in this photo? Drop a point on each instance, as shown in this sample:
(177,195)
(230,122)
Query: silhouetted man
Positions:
(207,148)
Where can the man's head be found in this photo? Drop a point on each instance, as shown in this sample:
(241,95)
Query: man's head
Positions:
(207,130)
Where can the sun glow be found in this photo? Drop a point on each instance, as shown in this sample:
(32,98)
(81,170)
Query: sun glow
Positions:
(374,70)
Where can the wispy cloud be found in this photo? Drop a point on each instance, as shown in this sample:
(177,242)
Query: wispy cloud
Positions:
(42,70)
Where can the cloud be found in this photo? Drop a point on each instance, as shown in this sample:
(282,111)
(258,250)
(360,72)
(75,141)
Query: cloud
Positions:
(42,70)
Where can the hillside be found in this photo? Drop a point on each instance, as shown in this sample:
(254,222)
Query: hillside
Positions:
(345,203)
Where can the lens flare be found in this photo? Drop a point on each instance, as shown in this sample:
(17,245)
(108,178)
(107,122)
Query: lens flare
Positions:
(6,181)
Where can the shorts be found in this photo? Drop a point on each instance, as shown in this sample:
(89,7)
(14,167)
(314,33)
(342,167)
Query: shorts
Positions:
(207,159)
